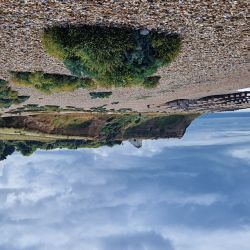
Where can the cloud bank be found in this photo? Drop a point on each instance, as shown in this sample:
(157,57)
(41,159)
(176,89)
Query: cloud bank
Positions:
(188,194)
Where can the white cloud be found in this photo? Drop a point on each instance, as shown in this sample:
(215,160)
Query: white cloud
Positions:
(193,239)
(241,153)
(158,197)
(243,90)
(76,203)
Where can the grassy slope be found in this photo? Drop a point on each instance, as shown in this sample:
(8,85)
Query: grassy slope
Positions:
(13,134)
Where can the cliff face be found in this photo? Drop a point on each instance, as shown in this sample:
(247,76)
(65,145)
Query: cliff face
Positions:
(104,127)
(95,129)
(173,126)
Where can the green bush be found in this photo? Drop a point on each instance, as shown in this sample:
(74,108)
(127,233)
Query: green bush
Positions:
(100,109)
(50,82)
(95,95)
(113,56)
(151,82)
(8,96)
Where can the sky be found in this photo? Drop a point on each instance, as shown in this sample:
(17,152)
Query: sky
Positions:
(172,194)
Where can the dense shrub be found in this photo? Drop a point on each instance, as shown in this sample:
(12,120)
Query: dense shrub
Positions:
(8,96)
(50,82)
(151,81)
(104,94)
(113,56)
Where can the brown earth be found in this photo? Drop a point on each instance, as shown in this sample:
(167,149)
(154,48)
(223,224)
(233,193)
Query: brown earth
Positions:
(214,57)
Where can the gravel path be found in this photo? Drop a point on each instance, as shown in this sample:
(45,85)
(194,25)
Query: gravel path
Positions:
(214,57)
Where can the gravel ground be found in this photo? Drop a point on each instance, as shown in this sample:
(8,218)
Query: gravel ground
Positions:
(214,57)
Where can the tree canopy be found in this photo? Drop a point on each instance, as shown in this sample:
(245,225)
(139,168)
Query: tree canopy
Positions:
(27,148)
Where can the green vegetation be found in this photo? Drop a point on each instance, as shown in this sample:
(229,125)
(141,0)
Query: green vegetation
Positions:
(165,122)
(8,96)
(28,147)
(45,109)
(95,95)
(49,131)
(50,82)
(112,56)
(111,129)
(102,56)
(116,125)
(99,109)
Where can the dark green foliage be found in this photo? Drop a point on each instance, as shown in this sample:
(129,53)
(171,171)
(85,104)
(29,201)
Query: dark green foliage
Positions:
(8,96)
(99,109)
(79,125)
(170,126)
(22,98)
(50,82)
(5,150)
(169,121)
(31,106)
(151,82)
(113,56)
(28,147)
(95,95)
(114,126)
(46,108)
(52,108)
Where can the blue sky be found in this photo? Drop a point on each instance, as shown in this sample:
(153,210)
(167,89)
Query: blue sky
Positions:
(177,194)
